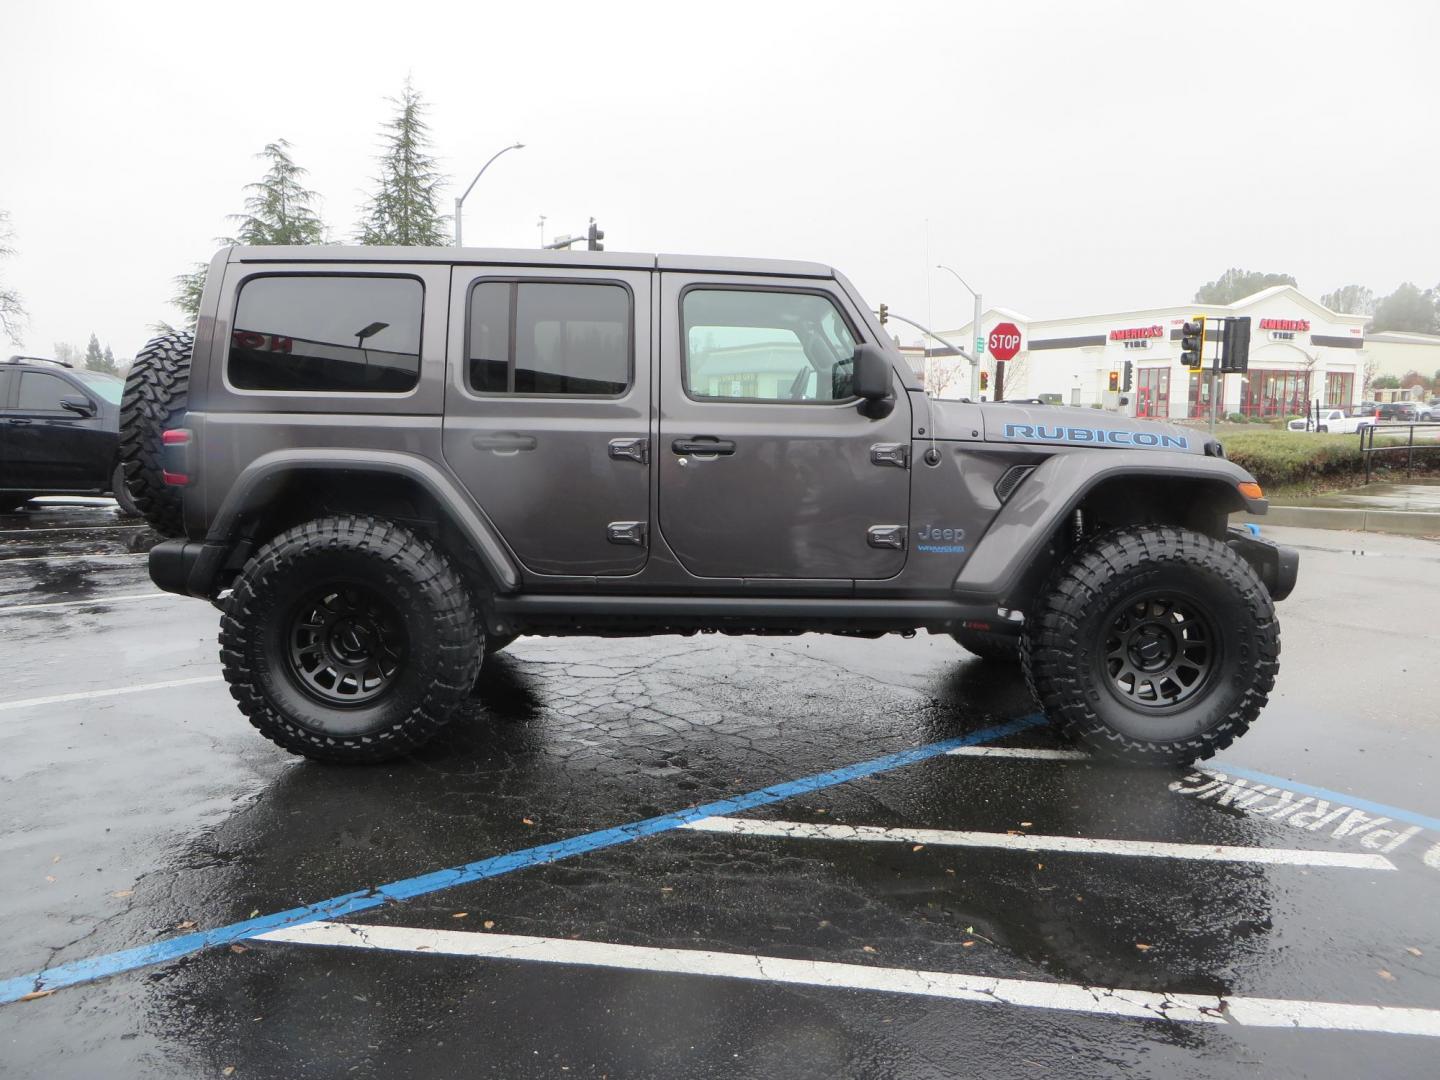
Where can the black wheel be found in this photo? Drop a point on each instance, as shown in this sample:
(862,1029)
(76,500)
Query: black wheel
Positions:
(1153,644)
(154,400)
(997,648)
(122,493)
(349,639)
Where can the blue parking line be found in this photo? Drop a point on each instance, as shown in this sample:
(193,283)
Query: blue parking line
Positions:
(99,967)
(1394,813)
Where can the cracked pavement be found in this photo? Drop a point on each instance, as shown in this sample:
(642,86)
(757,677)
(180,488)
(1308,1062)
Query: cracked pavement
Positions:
(135,817)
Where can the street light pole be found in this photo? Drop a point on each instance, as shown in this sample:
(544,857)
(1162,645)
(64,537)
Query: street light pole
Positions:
(979,348)
(460,202)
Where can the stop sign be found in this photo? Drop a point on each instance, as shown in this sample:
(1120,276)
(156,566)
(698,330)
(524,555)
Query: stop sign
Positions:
(1004,341)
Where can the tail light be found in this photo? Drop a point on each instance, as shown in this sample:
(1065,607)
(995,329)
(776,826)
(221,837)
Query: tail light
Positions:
(175,462)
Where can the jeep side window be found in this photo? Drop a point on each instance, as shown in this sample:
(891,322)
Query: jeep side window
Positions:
(549,337)
(327,333)
(766,345)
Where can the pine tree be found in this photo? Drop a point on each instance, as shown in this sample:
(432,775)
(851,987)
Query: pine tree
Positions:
(279,209)
(404,209)
(188,288)
(94,358)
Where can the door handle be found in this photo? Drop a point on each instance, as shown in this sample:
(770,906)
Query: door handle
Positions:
(18,421)
(703,444)
(504,442)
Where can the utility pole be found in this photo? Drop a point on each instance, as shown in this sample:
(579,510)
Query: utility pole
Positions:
(979,334)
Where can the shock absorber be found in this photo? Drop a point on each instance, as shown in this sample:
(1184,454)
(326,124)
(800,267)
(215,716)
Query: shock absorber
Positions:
(1079,524)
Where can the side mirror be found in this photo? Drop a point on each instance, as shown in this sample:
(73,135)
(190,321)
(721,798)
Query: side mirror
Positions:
(871,373)
(78,405)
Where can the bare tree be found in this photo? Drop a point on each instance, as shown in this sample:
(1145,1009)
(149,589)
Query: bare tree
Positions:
(12,308)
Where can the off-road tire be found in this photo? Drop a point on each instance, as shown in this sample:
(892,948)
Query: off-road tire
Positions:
(1064,647)
(122,493)
(443,644)
(154,399)
(995,648)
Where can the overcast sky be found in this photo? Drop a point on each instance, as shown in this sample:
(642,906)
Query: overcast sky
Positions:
(1046,151)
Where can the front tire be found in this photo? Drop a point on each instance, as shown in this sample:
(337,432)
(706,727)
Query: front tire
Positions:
(349,639)
(1153,644)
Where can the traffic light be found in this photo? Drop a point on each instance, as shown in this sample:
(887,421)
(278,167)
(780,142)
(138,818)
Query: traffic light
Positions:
(984,380)
(1235,343)
(884,313)
(1192,344)
(593,237)
(1129,382)
(1114,380)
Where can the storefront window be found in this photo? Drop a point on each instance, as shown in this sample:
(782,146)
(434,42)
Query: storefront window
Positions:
(1200,394)
(1339,389)
(1275,393)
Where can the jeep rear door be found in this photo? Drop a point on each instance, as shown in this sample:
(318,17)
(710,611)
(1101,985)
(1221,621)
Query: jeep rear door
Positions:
(769,466)
(547,411)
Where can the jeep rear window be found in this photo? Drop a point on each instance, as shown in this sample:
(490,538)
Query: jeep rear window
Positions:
(549,337)
(327,333)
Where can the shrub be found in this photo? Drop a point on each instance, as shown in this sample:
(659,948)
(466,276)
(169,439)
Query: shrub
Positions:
(1237,418)
(1275,458)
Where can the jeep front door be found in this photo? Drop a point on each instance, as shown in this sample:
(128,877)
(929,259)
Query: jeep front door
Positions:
(769,465)
(547,412)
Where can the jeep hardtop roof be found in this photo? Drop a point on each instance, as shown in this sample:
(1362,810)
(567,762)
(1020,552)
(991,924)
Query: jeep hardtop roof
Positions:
(608,260)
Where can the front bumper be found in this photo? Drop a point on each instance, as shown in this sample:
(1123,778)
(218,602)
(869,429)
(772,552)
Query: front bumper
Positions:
(1276,566)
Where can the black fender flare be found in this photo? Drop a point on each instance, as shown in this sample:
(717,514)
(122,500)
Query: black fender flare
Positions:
(1012,552)
(263,478)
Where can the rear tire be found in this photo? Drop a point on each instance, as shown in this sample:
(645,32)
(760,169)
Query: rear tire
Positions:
(1153,644)
(995,648)
(122,493)
(154,400)
(349,639)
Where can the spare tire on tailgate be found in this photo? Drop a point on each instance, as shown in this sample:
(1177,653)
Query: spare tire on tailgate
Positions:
(154,400)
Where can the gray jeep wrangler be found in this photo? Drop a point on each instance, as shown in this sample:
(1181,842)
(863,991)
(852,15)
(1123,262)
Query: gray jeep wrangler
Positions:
(382,464)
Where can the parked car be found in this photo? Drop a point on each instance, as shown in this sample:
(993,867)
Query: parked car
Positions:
(59,432)
(1333,420)
(1405,412)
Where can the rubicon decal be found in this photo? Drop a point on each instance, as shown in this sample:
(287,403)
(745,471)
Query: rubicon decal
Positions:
(1106,436)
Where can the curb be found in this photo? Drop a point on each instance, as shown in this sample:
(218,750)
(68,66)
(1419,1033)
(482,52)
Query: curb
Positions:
(1400,522)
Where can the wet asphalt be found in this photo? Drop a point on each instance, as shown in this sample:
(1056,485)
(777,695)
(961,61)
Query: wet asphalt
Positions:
(131,818)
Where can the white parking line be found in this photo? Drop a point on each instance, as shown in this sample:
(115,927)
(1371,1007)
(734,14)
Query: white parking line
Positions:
(68,558)
(798,830)
(979,989)
(87,695)
(17,608)
(1023,752)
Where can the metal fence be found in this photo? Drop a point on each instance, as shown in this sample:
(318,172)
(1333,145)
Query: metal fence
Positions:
(1430,430)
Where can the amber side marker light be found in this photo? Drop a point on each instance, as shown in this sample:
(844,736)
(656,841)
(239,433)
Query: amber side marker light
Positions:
(1251,491)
